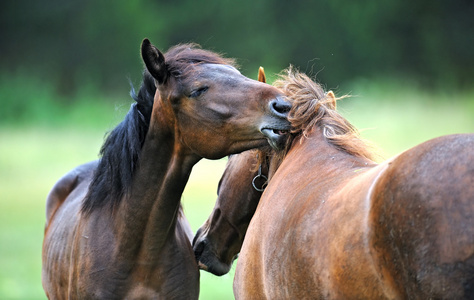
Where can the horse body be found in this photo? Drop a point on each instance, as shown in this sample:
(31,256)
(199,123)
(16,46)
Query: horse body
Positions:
(313,216)
(97,257)
(115,228)
(332,224)
(401,229)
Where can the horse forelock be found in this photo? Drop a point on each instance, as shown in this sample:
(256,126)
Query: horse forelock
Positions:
(181,58)
(312,106)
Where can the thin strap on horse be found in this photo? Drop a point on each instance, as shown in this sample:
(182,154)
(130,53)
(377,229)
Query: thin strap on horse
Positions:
(258,176)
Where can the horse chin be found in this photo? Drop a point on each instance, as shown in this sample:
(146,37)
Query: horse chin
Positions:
(207,261)
(217,268)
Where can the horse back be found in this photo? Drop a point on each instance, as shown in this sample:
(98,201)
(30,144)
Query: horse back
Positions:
(422,217)
(65,185)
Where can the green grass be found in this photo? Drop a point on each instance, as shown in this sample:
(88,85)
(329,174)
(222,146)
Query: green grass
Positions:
(33,157)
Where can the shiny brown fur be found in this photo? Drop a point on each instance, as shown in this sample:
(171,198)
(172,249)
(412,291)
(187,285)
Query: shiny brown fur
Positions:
(114,227)
(332,224)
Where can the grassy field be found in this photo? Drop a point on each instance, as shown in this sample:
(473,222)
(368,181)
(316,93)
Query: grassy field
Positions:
(33,157)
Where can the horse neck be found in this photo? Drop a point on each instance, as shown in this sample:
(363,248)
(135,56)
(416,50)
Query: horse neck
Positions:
(147,218)
(316,153)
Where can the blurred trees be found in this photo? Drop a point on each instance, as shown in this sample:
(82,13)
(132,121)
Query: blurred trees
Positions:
(72,42)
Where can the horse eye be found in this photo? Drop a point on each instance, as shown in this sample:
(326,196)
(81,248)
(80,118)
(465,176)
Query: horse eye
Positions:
(198,92)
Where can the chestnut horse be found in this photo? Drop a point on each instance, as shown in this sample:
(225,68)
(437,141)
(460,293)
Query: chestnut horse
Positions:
(114,227)
(332,224)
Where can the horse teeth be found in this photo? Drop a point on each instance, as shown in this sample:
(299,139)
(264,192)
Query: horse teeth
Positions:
(202,266)
(279,132)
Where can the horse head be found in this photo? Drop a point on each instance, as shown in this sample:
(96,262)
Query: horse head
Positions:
(215,110)
(218,241)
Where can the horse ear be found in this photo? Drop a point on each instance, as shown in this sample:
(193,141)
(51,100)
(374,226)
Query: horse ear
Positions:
(332,99)
(154,61)
(261,75)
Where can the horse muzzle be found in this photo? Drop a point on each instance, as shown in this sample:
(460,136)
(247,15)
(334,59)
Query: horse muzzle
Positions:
(277,129)
(207,260)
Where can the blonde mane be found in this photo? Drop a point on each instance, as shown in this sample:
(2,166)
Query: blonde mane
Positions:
(312,106)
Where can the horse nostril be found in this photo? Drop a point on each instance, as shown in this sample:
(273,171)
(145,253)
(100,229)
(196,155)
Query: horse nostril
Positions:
(199,248)
(280,107)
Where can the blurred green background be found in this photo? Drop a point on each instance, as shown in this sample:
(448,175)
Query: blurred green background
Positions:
(65,68)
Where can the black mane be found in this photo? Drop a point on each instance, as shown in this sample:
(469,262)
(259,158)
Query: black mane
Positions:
(122,147)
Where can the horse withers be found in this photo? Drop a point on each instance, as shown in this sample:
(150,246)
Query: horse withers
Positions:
(332,224)
(115,227)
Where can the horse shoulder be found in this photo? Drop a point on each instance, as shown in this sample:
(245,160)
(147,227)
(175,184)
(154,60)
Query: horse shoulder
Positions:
(338,231)
(249,278)
(421,217)
(65,185)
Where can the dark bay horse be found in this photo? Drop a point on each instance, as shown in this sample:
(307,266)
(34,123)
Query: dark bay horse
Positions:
(332,224)
(114,227)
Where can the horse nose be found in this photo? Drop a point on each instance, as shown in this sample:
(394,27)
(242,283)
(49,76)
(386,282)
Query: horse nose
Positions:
(198,248)
(199,243)
(280,107)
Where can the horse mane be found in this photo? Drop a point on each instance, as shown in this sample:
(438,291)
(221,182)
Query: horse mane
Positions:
(311,106)
(121,150)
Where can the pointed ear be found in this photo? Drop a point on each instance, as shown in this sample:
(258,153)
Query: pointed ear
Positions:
(261,75)
(154,61)
(332,99)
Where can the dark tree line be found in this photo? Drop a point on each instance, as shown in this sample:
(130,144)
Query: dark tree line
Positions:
(97,41)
